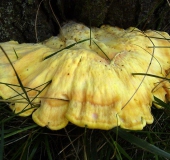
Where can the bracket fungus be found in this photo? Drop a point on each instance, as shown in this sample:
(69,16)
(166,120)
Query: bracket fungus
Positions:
(84,76)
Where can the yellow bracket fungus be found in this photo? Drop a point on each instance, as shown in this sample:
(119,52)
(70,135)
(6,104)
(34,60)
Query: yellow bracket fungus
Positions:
(87,80)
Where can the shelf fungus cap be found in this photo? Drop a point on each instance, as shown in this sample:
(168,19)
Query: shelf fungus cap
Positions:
(89,81)
(26,59)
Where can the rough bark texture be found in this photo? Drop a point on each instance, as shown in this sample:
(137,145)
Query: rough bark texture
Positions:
(17,17)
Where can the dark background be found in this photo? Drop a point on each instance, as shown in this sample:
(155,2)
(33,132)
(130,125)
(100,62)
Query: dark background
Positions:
(18,17)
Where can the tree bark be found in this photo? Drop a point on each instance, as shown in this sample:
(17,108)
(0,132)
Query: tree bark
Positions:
(18,17)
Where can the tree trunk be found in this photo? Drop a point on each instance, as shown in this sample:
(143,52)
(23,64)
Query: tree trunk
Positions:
(23,21)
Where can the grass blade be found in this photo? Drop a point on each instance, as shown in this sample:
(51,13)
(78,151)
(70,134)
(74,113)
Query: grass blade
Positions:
(2,142)
(151,75)
(161,103)
(158,46)
(141,143)
(48,148)
(121,150)
(66,48)
(102,51)
(19,81)
(18,131)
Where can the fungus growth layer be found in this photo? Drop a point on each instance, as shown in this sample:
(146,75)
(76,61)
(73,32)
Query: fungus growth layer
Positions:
(85,77)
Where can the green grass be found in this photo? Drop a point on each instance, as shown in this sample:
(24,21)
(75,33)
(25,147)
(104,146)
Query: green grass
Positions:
(22,139)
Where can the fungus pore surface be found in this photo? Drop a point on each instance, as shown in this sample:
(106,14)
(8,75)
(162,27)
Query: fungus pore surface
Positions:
(84,76)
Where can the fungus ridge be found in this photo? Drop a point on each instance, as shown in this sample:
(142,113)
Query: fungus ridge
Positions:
(88,84)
